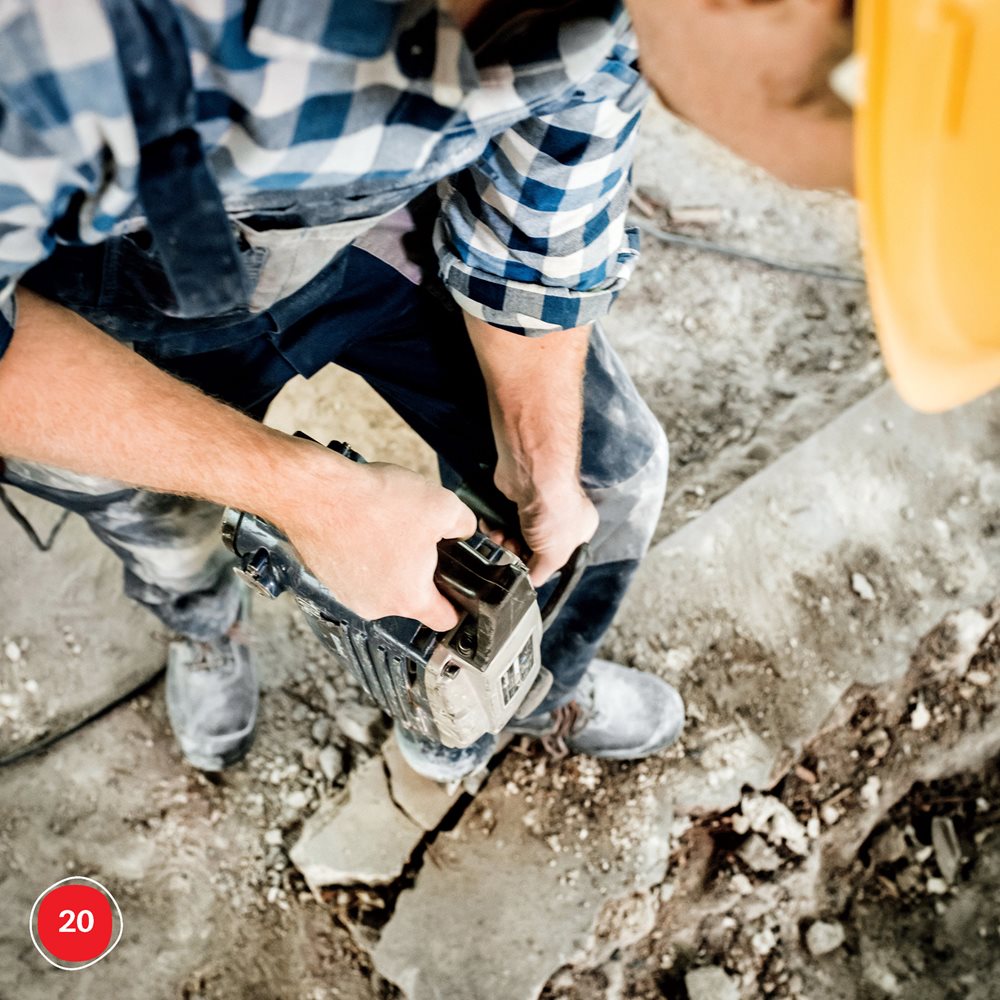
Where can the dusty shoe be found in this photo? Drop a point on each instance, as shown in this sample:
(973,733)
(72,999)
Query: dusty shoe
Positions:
(618,713)
(441,763)
(212,696)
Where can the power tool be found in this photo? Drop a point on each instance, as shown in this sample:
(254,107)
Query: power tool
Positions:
(451,687)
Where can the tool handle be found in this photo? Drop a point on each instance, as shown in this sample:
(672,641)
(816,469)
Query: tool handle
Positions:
(569,577)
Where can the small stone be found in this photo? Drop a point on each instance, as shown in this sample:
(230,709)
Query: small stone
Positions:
(824,936)
(758,855)
(920,717)
(359,723)
(273,838)
(947,850)
(741,884)
(764,942)
(862,586)
(12,651)
(31,686)
(710,983)
(296,800)
(330,763)
(980,678)
(320,731)
(829,814)
(870,791)
(889,847)
(937,886)
(813,827)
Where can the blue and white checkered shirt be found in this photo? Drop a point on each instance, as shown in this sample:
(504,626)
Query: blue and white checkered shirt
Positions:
(532,153)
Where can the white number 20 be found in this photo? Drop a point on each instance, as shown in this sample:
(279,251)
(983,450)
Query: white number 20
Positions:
(84,921)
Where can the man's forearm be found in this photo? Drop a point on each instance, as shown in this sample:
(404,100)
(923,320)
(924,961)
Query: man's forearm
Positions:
(535,390)
(72,397)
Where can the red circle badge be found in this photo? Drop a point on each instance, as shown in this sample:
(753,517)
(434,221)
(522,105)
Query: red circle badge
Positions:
(75,923)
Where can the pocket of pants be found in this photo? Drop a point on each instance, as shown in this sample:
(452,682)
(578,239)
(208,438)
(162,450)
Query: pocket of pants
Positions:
(135,286)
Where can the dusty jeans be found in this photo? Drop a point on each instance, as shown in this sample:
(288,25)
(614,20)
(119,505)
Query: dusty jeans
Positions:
(371,311)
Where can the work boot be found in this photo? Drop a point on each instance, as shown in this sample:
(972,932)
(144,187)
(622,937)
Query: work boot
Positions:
(212,696)
(440,763)
(617,713)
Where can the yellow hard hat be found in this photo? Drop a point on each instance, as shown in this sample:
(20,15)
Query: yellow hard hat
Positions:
(928,175)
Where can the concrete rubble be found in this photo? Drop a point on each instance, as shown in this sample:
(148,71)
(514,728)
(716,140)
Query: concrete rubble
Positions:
(367,835)
(513,908)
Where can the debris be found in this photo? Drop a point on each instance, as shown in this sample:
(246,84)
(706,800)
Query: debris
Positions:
(273,838)
(12,651)
(330,763)
(862,586)
(979,678)
(764,942)
(947,852)
(804,774)
(970,627)
(361,724)
(824,936)
(320,731)
(870,791)
(710,983)
(296,800)
(741,884)
(758,855)
(829,814)
(772,818)
(889,847)
(920,717)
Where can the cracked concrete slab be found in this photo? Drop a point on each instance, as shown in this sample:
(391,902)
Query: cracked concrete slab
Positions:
(751,608)
(508,907)
(424,801)
(362,837)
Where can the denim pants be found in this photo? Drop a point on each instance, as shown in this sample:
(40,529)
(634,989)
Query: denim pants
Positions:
(375,313)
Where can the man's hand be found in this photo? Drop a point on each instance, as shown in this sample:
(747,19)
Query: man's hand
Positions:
(535,389)
(553,525)
(374,544)
(72,397)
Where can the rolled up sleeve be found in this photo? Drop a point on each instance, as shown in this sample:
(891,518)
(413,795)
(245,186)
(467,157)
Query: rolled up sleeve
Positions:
(533,236)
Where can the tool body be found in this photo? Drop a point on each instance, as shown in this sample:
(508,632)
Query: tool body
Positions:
(451,687)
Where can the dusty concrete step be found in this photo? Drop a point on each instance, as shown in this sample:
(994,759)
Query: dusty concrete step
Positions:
(820,573)
(58,664)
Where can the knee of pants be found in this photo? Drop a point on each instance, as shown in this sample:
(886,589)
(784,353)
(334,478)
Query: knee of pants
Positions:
(630,506)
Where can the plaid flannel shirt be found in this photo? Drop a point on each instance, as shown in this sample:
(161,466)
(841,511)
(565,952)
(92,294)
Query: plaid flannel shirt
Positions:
(532,153)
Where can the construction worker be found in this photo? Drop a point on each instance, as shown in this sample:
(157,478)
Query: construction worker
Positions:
(199,201)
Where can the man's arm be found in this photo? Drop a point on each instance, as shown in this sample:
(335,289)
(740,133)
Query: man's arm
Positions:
(73,397)
(535,390)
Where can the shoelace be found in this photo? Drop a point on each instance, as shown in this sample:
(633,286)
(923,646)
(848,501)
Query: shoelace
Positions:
(565,719)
